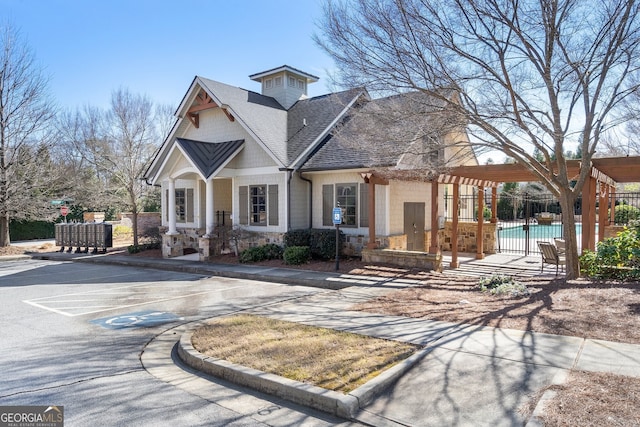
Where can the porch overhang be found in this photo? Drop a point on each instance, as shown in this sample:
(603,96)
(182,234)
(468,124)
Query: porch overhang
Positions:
(209,157)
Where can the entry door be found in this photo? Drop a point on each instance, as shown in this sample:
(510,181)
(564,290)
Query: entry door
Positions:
(414,226)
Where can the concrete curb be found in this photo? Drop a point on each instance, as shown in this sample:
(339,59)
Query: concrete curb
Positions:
(14,257)
(536,417)
(211,270)
(336,403)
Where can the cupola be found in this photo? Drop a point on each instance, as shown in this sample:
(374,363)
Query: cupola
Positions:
(286,84)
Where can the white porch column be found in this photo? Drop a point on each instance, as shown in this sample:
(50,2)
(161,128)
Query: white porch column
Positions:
(209,212)
(171,206)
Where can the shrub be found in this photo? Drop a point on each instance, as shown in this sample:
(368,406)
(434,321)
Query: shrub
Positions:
(272,251)
(296,255)
(616,258)
(261,253)
(297,238)
(625,213)
(321,242)
(486,213)
(120,230)
(498,284)
(134,249)
(30,230)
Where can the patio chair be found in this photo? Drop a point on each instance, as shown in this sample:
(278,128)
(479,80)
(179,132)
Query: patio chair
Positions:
(560,246)
(550,256)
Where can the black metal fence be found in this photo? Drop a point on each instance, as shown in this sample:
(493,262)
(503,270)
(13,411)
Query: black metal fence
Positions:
(525,218)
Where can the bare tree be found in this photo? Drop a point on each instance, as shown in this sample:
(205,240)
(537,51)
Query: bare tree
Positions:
(131,141)
(110,149)
(25,113)
(529,74)
(81,144)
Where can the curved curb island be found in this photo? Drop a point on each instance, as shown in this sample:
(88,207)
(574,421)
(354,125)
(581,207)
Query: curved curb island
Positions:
(333,402)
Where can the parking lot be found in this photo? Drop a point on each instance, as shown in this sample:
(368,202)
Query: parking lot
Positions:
(73,334)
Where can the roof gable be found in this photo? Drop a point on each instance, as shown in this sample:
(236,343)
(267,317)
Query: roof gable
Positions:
(262,116)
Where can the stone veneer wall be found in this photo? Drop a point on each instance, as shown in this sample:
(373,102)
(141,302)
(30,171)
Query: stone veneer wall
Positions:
(353,245)
(174,245)
(467,237)
(146,221)
(253,239)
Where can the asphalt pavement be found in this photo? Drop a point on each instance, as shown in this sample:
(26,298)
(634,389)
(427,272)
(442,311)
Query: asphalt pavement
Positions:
(470,375)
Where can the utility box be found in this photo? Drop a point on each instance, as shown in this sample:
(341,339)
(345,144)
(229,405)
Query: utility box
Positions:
(104,236)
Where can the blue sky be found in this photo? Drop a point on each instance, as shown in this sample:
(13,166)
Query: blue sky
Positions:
(155,47)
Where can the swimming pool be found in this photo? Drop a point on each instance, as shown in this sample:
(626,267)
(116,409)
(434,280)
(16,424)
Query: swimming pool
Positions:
(536,231)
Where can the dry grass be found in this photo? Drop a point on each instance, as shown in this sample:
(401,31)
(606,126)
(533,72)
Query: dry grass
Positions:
(594,399)
(330,359)
(20,250)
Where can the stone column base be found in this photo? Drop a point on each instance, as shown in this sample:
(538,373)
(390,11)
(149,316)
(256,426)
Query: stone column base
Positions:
(207,248)
(172,245)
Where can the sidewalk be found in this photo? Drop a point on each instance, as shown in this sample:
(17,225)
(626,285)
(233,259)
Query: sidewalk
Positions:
(472,376)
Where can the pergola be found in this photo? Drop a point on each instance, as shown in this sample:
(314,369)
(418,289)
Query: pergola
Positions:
(605,174)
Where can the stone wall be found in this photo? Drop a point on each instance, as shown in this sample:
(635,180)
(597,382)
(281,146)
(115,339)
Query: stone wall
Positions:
(416,259)
(146,221)
(175,244)
(467,237)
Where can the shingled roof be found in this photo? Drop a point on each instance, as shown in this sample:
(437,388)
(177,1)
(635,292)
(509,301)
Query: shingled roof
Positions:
(383,132)
(311,119)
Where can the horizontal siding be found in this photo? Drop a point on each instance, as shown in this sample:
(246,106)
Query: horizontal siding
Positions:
(272,179)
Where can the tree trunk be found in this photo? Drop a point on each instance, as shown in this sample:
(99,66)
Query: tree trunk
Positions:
(134,226)
(4,230)
(569,226)
(5,218)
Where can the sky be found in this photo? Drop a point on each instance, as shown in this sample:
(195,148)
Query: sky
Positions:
(90,48)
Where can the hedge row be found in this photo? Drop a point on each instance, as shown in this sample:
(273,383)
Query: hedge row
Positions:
(321,242)
(31,230)
(299,246)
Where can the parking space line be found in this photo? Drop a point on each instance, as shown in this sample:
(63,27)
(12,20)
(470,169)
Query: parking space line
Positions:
(51,303)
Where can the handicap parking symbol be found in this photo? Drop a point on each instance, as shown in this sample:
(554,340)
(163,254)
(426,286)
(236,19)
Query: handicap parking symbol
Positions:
(140,319)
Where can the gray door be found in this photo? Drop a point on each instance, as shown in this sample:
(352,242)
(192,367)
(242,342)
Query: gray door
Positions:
(414,226)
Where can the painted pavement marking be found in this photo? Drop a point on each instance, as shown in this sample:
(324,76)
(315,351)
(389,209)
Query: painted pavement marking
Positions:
(96,301)
(140,319)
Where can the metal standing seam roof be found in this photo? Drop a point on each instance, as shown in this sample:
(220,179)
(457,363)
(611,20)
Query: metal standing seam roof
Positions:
(209,156)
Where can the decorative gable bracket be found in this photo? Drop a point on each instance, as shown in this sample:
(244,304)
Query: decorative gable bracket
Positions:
(204,102)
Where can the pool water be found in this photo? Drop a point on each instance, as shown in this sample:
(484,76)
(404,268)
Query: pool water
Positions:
(536,231)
